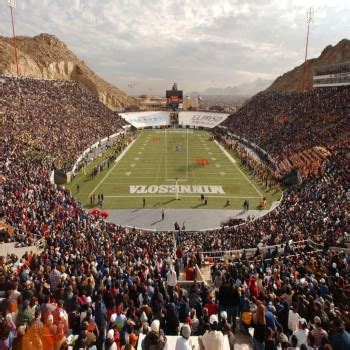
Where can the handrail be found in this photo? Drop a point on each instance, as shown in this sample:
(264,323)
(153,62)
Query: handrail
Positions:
(260,248)
(287,256)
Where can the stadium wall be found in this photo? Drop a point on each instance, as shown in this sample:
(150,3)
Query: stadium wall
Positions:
(97,144)
(150,119)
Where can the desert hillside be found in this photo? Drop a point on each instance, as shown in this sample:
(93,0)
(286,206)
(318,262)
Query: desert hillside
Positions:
(45,56)
(290,81)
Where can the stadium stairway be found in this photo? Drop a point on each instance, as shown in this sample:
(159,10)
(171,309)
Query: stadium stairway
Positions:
(10,248)
(205,270)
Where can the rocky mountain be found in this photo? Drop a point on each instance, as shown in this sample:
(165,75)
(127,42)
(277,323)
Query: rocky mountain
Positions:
(246,89)
(45,56)
(291,81)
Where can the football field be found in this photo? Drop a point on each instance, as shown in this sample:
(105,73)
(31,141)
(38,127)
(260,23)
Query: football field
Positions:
(147,171)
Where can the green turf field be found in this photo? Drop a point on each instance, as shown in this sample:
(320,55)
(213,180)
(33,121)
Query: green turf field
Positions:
(150,165)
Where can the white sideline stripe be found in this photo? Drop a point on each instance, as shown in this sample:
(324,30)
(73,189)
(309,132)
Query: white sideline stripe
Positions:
(121,155)
(228,155)
(173,180)
(166,195)
(133,182)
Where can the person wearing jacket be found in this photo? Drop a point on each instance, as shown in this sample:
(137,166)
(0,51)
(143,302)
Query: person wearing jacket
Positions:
(212,339)
(339,338)
(155,339)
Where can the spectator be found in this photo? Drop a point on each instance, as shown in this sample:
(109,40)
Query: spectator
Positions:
(301,333)
(339,338)
(259,325)
(183,342)
(212,339)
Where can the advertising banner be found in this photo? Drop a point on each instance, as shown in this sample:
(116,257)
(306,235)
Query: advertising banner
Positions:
(202,119)
(147,118)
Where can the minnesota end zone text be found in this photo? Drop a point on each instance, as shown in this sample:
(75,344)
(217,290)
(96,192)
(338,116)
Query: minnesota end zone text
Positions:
(205,189)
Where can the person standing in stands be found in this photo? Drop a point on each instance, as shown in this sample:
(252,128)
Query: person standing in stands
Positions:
(259,325)
(163,213)
(212,339)
(339,338)
(183,342)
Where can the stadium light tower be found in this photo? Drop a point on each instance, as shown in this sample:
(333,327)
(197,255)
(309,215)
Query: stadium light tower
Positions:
(309,19)
(12,5)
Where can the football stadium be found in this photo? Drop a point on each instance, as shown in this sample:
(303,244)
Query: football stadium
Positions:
(176,221)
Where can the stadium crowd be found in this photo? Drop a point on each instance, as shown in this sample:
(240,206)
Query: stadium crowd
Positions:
(298,129)
(55,119)
(316,210)
(100,286)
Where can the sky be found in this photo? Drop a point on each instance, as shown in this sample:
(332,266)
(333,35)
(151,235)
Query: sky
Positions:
(198,44)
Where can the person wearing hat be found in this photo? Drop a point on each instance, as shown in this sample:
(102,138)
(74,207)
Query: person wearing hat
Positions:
(183,342)
(154,339)
(110,344)
(133,338)
(302,332)
(212,339)
(223,321)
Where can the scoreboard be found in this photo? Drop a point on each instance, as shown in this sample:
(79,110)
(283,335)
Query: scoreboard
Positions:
(174,98)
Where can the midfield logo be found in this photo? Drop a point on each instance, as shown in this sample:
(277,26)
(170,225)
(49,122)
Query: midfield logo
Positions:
(182,189)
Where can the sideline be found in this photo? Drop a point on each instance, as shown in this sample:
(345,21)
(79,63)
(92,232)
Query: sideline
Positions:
(121,155)
(228,155)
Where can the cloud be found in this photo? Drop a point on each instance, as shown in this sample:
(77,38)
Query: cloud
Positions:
(196,43)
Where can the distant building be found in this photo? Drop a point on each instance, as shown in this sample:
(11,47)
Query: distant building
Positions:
(148,102)
(191,103)
(337,74)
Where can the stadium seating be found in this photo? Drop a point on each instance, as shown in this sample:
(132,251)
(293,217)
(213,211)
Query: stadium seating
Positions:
(292,126)
(105,284)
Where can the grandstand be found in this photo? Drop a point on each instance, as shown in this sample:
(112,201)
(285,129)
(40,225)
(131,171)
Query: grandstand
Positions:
(295,254)
(237,231)
(332,75)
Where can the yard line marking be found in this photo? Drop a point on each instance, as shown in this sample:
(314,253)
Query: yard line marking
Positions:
(183,195)
(228,155)
(213,158)
(137,158)
(218,165)
(187,156)
(166,154)
(178,180)
(121,155)
(210,153)
(159,166)
(128,173)
(132,165)
(222,173)
(139,153)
